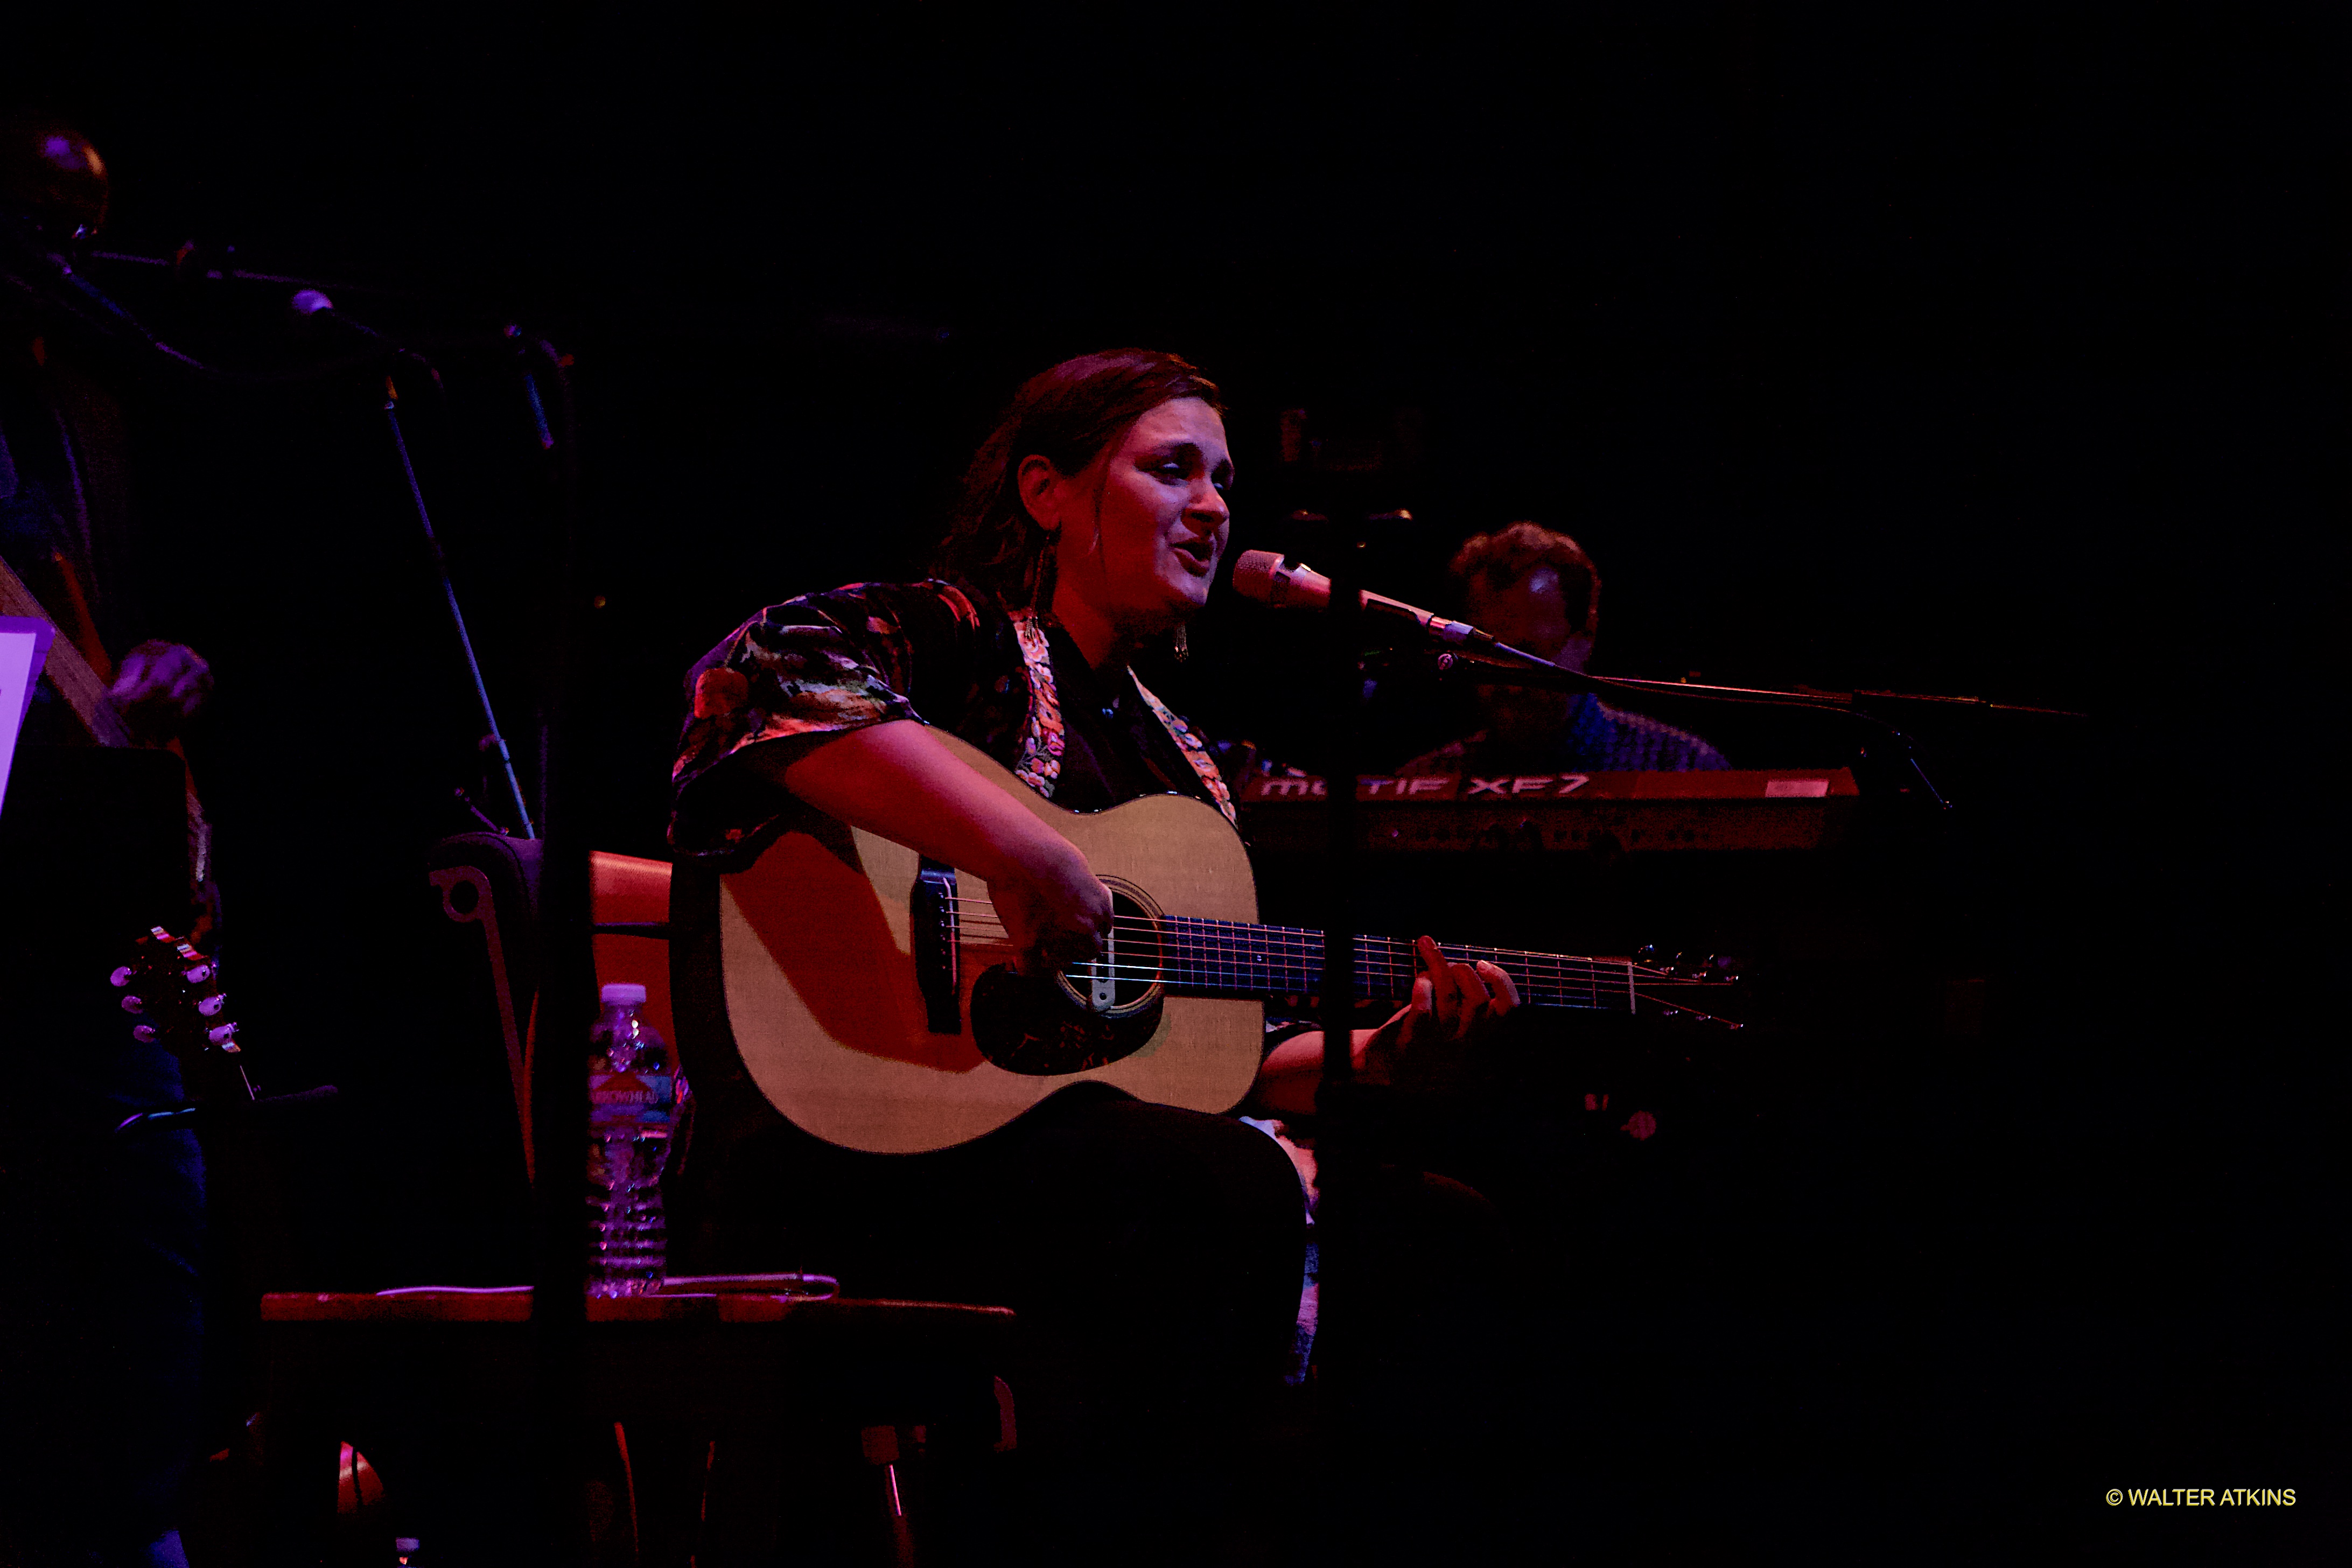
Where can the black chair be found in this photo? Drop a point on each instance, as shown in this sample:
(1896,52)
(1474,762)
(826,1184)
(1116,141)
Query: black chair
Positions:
(466,1200)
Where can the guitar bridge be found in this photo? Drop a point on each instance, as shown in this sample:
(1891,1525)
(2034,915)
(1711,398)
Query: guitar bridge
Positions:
(935,931)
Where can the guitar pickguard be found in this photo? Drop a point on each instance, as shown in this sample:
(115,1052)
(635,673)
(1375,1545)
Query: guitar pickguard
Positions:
(1031,1027)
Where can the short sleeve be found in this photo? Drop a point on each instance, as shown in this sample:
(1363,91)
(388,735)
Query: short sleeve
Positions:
(1280,1027)
(821,664)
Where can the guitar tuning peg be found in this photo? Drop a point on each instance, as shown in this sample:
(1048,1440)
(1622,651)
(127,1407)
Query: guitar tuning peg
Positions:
(120,977)
(199,974)
(223,1037)
(144,1033)
(133,1005)
(211,1006)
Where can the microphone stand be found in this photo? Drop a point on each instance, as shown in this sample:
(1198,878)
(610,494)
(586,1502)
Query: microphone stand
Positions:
(567,992)
(54,280)
(1342,1154)
(494,741)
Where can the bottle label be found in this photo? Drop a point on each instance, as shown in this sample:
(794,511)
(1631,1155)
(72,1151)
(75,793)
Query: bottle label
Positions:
(630,1099)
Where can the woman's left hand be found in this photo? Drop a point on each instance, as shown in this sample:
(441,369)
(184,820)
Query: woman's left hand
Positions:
(1453,1006)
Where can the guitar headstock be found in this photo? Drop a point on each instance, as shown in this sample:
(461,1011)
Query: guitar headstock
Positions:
(1677,982)
(173,991)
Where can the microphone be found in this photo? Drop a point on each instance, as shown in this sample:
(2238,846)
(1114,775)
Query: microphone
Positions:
(1285,583)
(313,304)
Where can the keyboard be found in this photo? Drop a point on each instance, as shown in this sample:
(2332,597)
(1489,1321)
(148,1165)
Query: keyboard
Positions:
(1603,813)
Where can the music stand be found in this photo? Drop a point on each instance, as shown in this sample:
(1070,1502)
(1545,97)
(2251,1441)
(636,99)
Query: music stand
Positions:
(24,648)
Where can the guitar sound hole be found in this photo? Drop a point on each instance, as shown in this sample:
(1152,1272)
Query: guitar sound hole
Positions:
(1127,976)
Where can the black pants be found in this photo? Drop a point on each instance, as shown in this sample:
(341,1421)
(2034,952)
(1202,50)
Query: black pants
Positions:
(1154,1256)
(101,1312)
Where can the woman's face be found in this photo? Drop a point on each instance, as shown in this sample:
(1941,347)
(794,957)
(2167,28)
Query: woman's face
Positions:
(1140,529)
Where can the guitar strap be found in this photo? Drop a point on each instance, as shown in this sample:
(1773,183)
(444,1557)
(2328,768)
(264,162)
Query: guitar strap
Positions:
(1194,751)
(1040,762)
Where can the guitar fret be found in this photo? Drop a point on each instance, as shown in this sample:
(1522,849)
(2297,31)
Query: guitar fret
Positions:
(1224,958)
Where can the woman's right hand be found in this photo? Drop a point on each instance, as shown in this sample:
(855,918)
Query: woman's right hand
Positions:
(897,780)
(1056,913)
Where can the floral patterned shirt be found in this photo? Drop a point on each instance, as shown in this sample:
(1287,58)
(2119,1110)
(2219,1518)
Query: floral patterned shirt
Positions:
(1013,685)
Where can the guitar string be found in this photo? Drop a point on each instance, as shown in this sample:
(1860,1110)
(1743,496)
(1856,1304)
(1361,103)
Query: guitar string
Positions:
(1390,982)
(1549,977)
(1197,960)
(1539,996)
(1303,937)
(1302,940)
(1267,970)
(1209,946)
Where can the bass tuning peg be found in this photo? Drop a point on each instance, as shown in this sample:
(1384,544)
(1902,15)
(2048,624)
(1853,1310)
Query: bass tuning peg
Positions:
(120,977)
(133,1005)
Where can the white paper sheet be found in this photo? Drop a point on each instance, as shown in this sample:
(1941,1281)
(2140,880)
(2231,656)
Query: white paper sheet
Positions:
(24,645)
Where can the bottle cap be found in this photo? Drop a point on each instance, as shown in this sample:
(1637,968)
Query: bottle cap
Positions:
(622,994)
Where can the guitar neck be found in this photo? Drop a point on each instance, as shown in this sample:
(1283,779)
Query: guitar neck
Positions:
(82,688)
(1219,958)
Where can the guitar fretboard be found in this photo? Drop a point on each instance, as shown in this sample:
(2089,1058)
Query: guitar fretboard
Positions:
(1221,958)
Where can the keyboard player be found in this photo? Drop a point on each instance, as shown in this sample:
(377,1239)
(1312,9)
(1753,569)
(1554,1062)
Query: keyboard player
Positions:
(1539,590)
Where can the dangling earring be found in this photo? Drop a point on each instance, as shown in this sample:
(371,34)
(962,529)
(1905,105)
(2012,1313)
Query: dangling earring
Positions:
(1039,567)
(1183,645)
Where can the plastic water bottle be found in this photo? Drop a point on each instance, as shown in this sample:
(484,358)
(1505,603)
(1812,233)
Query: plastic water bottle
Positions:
(634,1094)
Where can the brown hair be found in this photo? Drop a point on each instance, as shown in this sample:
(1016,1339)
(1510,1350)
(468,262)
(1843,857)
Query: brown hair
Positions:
(1067,416)
(1498,560)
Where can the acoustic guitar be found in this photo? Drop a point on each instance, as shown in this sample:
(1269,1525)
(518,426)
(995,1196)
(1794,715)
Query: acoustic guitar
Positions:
(873,1001)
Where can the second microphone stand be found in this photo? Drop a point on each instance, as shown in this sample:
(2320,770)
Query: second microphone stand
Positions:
(493,739)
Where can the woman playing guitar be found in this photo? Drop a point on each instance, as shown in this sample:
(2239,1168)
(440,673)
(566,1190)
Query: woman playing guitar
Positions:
(1153,1252)
(1102,535)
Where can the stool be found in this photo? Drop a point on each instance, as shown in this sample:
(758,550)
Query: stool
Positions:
(772,1399)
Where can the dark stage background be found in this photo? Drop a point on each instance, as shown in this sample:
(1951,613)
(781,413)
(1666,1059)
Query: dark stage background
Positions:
(1952,350)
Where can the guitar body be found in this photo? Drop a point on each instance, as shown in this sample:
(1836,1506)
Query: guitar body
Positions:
(856,1027)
